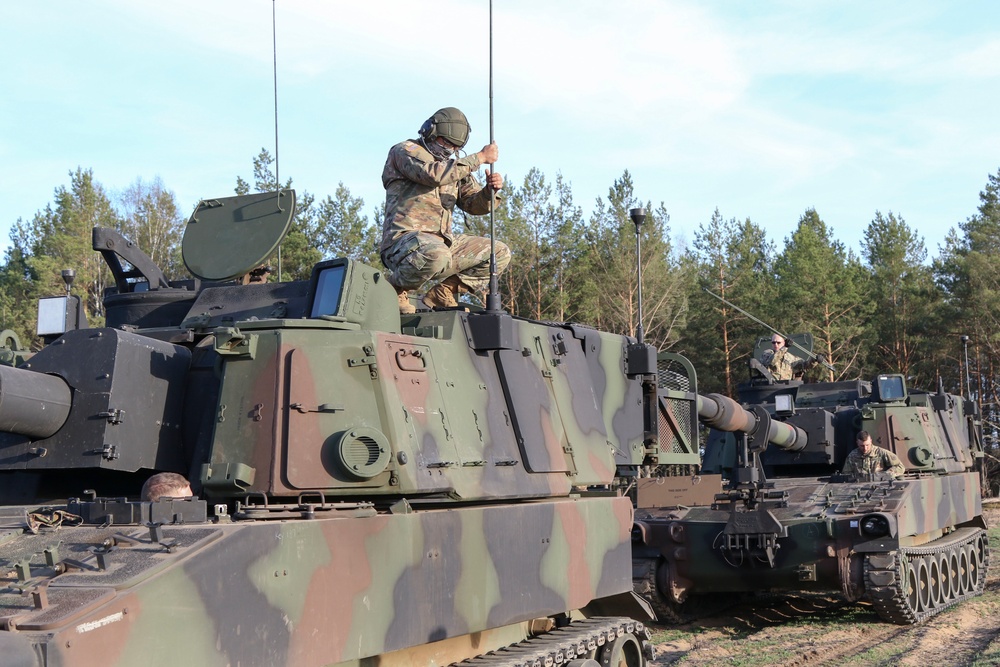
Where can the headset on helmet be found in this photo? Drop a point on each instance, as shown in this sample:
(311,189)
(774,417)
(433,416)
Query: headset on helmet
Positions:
(449,124)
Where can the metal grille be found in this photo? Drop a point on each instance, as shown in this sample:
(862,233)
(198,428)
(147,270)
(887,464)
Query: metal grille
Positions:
(671,374)
(361,452)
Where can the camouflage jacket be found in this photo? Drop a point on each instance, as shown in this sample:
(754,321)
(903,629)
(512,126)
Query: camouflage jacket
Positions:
(782,363)
(421,191)
(878,460)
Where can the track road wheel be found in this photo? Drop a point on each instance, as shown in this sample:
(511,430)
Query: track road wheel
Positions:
(975,568)
(948,590)
(625,651)
(965,583)
(911,587)
(934,581)
(923,585)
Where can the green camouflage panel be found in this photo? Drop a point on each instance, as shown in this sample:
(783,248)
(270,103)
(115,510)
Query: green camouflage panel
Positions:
(425,414)
(382,490)
(416,257)
(928,432)
(421,191)
(348,584)
(822,519)
(787,520)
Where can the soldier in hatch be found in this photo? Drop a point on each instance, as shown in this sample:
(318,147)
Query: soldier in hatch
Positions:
(780,360)
(868,459)
(166,485)
(424,180)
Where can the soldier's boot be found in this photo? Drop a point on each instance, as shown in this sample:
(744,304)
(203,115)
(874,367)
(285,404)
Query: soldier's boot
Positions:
(405,306)
(443,294)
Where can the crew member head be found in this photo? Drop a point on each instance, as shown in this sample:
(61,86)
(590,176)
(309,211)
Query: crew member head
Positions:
(166,485)
(445,132)
(864,442)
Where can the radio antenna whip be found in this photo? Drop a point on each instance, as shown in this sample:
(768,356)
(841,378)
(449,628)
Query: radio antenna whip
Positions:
(493,303)
(274,51)
(638,216)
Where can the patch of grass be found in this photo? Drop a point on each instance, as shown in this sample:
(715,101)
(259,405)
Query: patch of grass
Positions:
(884,654)
(667,633)
(988,658)
(755,658)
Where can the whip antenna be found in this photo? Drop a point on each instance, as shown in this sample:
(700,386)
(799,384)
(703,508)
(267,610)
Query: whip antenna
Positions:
(274,51)
(493,296)
(638,216)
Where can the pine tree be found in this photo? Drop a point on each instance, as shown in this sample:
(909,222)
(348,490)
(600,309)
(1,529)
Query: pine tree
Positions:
(343,231)
(823,289)
(732,260)
(611,239)
(900,333)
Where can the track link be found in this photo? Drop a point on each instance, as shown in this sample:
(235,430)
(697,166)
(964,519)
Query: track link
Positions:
(592,638)
(915,583)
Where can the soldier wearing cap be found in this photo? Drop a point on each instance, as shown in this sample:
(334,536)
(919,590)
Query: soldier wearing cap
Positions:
(425,179)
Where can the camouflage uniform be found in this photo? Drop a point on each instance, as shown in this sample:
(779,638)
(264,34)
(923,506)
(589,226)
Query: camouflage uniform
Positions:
(417,241)
(878,460)
(782,363)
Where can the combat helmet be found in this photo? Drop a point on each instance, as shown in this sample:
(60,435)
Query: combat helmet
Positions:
(448,123)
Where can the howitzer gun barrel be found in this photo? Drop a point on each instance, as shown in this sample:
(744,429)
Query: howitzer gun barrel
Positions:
(32,404)
(725,414)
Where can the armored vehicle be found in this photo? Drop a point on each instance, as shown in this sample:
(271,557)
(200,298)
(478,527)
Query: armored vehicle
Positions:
(368,489)
(770,510)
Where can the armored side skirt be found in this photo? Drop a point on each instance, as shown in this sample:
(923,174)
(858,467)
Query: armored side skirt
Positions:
(348,585)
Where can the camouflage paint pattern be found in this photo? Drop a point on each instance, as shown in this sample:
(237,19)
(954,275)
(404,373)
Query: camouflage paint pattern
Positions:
(381,491)
(796,524)
(820,517)
(533,421)
(346,585)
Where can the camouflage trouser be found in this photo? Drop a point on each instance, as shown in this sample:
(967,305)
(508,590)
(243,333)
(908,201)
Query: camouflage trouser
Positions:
(416,257)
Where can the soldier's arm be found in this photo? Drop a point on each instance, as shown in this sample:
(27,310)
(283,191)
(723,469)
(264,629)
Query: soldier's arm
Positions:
(474,198)
(412,161)
(893,464)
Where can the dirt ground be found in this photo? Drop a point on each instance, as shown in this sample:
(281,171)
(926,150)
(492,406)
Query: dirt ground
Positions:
(802,630)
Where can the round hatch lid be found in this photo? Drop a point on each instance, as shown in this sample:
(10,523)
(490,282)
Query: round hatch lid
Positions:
(225,238)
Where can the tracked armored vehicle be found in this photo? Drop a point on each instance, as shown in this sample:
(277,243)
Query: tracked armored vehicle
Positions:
(368,489)
(770,510)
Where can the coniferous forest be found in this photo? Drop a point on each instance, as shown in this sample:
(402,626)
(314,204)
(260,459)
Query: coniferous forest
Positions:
(887,306)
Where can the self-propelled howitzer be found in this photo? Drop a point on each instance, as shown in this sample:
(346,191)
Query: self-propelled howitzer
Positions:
(770,511)
(416,491)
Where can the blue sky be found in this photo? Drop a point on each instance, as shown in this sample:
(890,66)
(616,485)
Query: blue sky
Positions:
(760,109)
